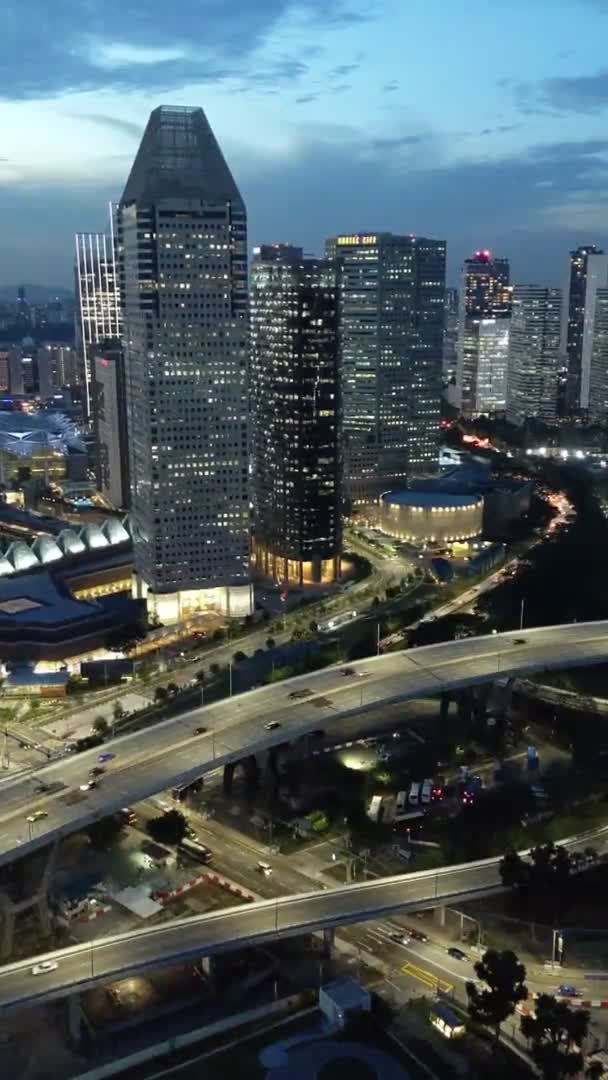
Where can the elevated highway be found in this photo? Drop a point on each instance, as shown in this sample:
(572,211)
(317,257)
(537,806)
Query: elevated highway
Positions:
(81,967)
(171,753)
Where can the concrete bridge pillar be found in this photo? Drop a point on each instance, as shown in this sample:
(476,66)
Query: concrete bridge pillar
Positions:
(444,707)
(440,914)
(329,937)
(228,778)
(464,700)
(75,1017)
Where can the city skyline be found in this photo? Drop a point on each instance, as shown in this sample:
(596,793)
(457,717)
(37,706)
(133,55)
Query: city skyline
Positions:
(519,169)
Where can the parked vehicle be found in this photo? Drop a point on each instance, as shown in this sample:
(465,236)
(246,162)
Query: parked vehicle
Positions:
(414,795)
(426,791)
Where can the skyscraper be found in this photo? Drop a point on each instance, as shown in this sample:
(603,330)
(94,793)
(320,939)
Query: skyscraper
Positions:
(110,423)
(598,368)
(183,236)
(98,312)
(295,410)
(391,292)
(533,354)
(573,319)
(485,300)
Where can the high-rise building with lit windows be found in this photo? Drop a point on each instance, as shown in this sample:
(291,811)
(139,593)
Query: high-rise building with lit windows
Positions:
(587,272)
(182,233)
(534,354)
(391,294)
(598,367)
(98,313)
(484,314)
(295,406)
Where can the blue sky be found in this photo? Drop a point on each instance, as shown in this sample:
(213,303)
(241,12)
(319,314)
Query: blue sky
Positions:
(485,124)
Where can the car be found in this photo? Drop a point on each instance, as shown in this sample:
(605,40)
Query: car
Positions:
(272,725)
(264,868)
(295,694)
(567,990)
(97,770)
(44,967)
(401,939)
(200,731)
(417,935)
(520,641)
(457,954)
(348,671)
(92,783)
(106,756)
(38,815)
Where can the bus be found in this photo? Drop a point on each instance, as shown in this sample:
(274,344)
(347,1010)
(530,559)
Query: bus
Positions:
(336,621)
(192,848)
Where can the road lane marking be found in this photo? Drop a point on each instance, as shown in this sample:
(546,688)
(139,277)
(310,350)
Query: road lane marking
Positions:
(433,982)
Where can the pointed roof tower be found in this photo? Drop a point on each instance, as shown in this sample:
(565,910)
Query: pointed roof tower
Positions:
(179,156)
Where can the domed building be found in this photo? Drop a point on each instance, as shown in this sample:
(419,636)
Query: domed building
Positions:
(435,517)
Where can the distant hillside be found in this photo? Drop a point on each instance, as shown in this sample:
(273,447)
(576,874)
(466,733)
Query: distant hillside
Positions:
(34,294)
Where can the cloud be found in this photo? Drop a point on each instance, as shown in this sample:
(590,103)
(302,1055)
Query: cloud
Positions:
(390,87)
(398,141)
(501,129)
(531,205)
(125,127)
(342,70)
(144,44)
(306,98)
(586,95)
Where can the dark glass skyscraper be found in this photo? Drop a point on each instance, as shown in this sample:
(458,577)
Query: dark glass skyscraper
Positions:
(181,228)
(483,335)
(391,294)
(295,406)
(587,264)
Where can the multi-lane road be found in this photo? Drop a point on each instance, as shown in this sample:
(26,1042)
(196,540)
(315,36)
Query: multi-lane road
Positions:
(82,966)
(171,753)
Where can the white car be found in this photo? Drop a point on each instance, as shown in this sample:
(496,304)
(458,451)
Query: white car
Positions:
(45,966)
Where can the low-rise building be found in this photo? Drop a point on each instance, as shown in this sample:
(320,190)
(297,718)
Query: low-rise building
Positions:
(342,998)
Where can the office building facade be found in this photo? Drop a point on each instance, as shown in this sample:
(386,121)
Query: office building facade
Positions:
(598,373)
(391,297)
(182,231)
(295,407)
(587,271)
(110,424)
(534,352)
(485,302)
(98,314)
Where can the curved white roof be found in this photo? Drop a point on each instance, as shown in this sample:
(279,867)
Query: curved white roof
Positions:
(21,556)
(93,537)
(6,567)
(114,531)
(69,542)
(46,549)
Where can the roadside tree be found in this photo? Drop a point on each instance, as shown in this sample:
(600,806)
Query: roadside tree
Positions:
(504,977)
(169,828)
(556,1033)
(101,725)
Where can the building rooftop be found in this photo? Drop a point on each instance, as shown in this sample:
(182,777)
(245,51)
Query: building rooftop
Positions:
(37,599)
(179,157)
(23,433)
(428,499)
